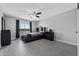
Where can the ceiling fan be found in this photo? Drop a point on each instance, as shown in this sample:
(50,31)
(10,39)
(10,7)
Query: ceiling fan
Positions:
(33,13)
(37,14)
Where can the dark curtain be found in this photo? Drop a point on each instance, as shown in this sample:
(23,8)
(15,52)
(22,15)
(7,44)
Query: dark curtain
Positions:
(77,5)
(3,23)
(17,29)
(30,26)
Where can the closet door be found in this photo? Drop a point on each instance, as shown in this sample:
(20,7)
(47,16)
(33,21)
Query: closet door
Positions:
(78,30)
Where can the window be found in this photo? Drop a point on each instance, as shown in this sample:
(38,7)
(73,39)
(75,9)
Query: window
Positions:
(25,26)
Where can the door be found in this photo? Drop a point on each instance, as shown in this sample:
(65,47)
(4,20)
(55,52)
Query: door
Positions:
(78,31)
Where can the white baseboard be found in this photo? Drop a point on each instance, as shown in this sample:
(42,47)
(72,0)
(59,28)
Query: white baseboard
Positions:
(67,42)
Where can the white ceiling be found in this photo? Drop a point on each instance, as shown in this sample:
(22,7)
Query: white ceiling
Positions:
(47,9)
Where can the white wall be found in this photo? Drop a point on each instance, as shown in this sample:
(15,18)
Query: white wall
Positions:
(78,31)
(64,26)
(10,24)
(0,19)
(34,26)
(0,24)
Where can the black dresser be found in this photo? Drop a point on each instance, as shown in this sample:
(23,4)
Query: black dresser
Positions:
(49,36)
(5,37)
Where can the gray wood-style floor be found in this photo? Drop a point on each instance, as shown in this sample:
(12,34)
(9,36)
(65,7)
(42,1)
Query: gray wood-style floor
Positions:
(38,48)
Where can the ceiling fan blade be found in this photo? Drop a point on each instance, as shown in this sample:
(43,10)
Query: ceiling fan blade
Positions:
(38,16)
(39,13)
